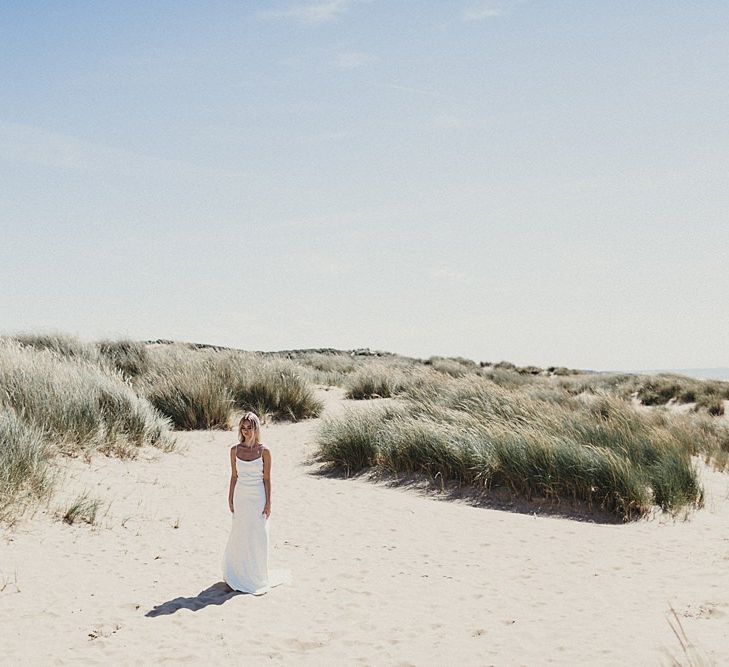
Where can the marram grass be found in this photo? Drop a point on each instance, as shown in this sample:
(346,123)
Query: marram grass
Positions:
(78,405)
(24,471)
(200,389)
(53,402)
(537,444)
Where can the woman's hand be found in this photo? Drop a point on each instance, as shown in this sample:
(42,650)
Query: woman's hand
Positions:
(266,511)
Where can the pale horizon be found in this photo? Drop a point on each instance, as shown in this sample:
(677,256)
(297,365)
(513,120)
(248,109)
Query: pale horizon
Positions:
(540,183)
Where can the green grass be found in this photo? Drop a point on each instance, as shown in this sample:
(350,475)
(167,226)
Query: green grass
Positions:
(537,441)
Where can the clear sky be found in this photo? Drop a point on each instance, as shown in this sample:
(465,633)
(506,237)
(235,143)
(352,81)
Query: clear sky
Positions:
(544,182)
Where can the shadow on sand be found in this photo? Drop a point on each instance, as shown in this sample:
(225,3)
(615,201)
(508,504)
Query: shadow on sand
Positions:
(496,499)
(215,594)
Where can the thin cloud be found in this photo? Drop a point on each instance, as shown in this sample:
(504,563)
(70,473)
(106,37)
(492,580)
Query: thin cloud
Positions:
(320,12)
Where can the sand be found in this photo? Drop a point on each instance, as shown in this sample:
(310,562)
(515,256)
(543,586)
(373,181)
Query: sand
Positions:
(381,575)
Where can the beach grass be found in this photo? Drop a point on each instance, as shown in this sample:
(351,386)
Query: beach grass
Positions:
(374,380)
(186,386)
(56,402)
(536,441)
(84,508)
(200,388)
(24,472)
(276,389)
(548,433)
(79,405)
(329,370)
(129,357)
(62,344)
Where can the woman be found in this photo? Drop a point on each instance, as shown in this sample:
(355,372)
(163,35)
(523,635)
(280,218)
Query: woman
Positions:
(245,567)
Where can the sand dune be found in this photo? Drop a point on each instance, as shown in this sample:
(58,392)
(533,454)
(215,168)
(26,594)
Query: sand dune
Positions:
(380,575)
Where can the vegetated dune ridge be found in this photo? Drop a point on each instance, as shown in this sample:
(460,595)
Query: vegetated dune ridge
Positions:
(380,575)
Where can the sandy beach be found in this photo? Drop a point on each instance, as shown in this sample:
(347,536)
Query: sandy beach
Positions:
(380,575)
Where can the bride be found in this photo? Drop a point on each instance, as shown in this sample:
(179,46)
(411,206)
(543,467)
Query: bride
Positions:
(245,565)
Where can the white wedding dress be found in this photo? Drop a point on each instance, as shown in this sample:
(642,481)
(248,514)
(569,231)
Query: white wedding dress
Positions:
(245,564)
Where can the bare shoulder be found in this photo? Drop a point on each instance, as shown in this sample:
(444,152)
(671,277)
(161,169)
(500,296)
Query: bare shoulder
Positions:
(233,450)
(265,451)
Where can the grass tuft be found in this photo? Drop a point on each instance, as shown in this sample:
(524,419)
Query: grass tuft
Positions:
(84,508)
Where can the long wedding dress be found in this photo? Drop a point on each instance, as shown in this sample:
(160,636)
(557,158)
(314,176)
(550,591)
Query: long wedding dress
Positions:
(245,564)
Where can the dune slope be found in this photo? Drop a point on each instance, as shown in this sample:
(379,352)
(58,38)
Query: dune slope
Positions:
(380,575)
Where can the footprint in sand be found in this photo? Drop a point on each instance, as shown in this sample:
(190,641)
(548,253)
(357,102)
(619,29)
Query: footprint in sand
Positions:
(706,610)
(103,631)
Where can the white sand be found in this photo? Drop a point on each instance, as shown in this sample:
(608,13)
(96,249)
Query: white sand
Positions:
(380,575)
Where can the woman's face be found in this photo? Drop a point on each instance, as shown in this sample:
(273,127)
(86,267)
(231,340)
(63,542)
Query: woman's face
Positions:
(247,431)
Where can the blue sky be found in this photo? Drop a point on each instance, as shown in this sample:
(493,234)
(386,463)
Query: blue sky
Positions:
(544,182)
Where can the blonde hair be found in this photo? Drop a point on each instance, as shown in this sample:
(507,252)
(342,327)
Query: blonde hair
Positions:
(253,420)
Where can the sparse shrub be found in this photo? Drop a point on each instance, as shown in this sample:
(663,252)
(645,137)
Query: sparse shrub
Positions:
(505,366)
(712,404)
(716,388)
(686,395)
(529,370)
(659,390)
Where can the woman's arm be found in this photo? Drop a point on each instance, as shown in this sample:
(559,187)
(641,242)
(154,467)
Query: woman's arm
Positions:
(266,454)
(233,478)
